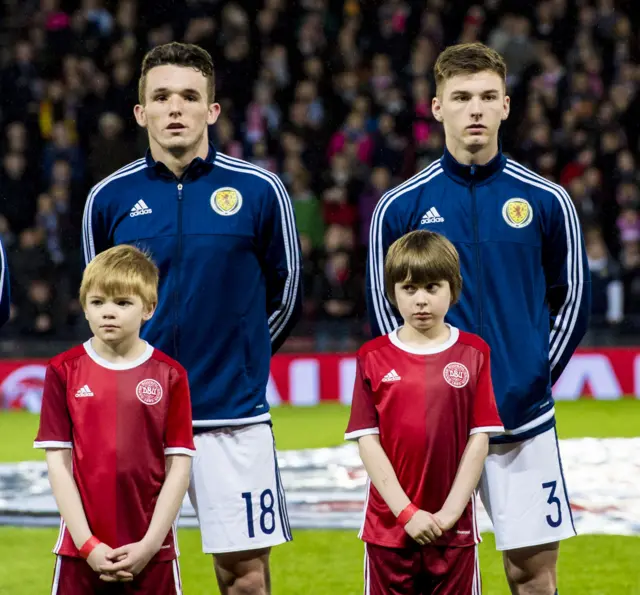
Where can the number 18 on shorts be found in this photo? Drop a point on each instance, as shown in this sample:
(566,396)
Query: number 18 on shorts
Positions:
(236,490)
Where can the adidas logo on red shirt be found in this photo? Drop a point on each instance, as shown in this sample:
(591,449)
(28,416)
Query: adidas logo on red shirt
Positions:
(391,377)
(85,391)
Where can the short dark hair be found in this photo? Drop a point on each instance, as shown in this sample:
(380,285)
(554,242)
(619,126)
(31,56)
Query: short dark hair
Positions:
(467,58)
(188,55)
(422,257)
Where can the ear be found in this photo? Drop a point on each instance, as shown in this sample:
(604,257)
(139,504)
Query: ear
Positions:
(436,108)
(506,107)
(140,115)
(213,113)
(148,312)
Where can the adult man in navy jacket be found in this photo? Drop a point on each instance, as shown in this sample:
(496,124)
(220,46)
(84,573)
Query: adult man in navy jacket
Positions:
(526,292)
(223,235)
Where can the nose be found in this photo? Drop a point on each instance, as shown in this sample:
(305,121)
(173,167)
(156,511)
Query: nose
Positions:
(175,105)
(421,298)
(475,105)
(108,312)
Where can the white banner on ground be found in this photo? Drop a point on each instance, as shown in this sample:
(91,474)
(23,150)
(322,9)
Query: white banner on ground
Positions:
(325,488)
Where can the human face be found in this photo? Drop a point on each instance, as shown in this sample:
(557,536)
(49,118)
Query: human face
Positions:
(471,108)
(115,319)
(423,307)
(176,111)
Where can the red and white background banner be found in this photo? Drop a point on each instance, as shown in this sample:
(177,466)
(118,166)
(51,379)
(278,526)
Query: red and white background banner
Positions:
(309,379)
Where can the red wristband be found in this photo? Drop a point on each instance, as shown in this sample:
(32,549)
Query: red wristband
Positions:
(407,514)
(89,546)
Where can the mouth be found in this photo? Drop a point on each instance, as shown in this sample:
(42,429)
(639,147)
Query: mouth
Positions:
(423,316)
(476,128)
(176,127)
(109,327)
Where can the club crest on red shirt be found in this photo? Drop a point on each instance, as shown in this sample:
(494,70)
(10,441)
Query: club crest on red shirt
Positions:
(149,391)
(456,374)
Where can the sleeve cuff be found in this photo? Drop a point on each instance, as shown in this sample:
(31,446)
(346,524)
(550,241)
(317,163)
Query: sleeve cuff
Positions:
(177,450)
(491,430)
(359,433)
(52,444)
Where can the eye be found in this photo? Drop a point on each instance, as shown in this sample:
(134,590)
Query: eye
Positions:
(160,97)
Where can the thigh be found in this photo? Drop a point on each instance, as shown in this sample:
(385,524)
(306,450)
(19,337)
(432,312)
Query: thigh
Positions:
(236,490)
(523,489)
(452,571)
(159,578)
(390,571)
(73,576)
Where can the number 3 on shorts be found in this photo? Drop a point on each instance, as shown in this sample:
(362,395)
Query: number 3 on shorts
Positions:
(553,499)
(267,514)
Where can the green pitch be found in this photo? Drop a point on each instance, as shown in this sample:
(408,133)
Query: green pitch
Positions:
(330,562)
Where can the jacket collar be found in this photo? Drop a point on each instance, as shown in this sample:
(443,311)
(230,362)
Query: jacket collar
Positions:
(194,170)
(470,174)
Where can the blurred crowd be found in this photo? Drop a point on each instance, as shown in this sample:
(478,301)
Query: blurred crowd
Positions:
(334,96)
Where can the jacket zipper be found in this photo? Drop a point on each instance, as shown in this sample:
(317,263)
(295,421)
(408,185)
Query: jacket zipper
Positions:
(176,290)
(476,239)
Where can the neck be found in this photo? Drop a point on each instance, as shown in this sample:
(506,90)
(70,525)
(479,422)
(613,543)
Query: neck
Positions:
(437,334)
(178,161)
(127,350)
(467,157)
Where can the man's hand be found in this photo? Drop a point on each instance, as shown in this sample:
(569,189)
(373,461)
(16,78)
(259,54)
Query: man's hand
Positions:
(131,558)
(99,557)
(423,527)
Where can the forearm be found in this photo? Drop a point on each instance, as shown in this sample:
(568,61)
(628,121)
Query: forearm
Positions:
(170,499)
(381,473)
(468,474)
(67,496)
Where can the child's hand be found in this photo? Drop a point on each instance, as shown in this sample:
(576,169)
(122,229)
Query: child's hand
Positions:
(423,527)
(98,558)
(131,558)
(445,519)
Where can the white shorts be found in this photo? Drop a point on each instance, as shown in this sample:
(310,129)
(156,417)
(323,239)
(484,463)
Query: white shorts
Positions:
(523,489)
(236,490)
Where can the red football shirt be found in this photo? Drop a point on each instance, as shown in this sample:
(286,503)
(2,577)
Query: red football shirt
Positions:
(121,421)
(424,404)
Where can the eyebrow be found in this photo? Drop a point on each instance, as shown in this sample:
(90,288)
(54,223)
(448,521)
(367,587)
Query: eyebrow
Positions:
(166,90)
(463,92)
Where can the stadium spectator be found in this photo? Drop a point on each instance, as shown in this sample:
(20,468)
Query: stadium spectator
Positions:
(324,91)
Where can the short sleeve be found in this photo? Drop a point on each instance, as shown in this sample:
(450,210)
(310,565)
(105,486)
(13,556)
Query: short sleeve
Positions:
(55,429)
(178,439)
(485,411)
(364,417)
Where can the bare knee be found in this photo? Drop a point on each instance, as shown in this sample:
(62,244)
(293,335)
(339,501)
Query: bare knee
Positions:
(532,571)
(244,573)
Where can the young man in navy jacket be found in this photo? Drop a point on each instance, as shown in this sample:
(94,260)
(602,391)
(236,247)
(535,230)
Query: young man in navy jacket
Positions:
(223,235)
(526,291)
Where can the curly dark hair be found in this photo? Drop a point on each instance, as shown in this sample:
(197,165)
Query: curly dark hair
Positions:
(178,54)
